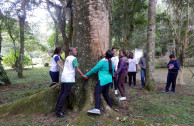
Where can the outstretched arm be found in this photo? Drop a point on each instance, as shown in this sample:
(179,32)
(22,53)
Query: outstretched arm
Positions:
(79,71)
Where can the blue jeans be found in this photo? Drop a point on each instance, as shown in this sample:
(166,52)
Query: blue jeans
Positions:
(143,74)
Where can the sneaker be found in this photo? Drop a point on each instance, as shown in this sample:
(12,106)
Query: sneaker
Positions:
(94,111)
(116,92)
(60,114)
(172,92)
(164,91)
(122,98)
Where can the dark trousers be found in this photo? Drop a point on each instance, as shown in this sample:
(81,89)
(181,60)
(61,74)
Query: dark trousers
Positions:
(132,75)
(121,83)
(171,78)
(65,91)
(105,91)
(115,83)
(54,76)
(143,74)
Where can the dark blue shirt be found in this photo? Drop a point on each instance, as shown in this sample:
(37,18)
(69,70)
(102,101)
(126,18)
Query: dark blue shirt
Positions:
(175,67)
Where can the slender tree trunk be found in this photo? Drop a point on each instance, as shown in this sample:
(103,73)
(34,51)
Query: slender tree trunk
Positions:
(21,54)
(179,45)
(55,22)
(14,46)
(63,28)
(124,27)
(180,78)
(150,84)
(22,18)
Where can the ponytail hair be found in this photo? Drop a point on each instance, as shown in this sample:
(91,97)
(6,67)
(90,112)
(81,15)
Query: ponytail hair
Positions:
(109,56)
(57,50)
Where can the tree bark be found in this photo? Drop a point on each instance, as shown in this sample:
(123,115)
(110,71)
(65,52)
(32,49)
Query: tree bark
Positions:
(22,17)
(56,22)
(150,84)
(4,80)
(91,37)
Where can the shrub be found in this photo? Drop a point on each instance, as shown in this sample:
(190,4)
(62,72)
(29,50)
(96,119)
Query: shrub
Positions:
(10,59)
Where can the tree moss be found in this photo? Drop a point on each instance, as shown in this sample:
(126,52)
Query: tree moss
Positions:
(43,102)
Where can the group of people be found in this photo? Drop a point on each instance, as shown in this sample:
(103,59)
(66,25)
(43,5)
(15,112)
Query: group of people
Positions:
(109,68)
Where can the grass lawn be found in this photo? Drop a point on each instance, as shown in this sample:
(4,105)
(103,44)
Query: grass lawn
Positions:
(154,107)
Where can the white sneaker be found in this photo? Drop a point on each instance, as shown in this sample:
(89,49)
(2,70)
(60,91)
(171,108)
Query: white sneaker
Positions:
(122,98)
(94,111)
(116,92)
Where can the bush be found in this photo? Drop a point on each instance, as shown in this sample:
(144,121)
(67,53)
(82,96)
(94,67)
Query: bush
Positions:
(162,62)
(9,60)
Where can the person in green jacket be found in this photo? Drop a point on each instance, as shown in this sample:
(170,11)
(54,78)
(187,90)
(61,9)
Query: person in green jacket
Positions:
(105,71)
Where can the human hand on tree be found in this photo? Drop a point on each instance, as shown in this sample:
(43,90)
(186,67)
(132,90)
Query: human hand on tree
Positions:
(85,77)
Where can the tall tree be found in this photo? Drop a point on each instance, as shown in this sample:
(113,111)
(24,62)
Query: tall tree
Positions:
(125,16)
(63,13)
(180,27)
(22,18)
(150,84)
(4,80)
(91,36)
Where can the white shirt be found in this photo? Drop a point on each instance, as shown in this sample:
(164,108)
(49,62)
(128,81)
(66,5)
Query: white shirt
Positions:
(132,65)
(54,65)
(115,61)
(68,74)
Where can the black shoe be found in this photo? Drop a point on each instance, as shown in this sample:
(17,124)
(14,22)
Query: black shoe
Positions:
(59,114)
(164,91)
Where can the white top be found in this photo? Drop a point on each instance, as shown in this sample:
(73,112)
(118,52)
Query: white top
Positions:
(54,65)
(132,65)
(68,74)
(115,61)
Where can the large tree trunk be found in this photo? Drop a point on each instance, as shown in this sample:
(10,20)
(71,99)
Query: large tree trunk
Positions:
(4,80)
(150,84)
(91,36)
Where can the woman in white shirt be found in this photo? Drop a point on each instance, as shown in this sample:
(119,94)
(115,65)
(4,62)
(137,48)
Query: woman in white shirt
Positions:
(132,69)
(55,66)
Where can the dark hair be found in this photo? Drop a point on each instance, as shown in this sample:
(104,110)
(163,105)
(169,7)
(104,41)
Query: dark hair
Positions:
(125,54)
(172,56)
(109,56)
(57,50)
(113,48)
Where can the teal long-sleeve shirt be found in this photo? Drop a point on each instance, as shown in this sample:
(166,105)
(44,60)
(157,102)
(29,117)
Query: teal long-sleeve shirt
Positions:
(102,67)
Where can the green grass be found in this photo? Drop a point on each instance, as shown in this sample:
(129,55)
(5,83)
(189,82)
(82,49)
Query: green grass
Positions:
(154,107)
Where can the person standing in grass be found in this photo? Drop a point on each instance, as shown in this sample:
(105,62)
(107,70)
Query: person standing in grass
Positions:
(55,66)
(115,61)
(67,80)
(173,68)
(132,69)
(142,64)
(105,71)
(122,73)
